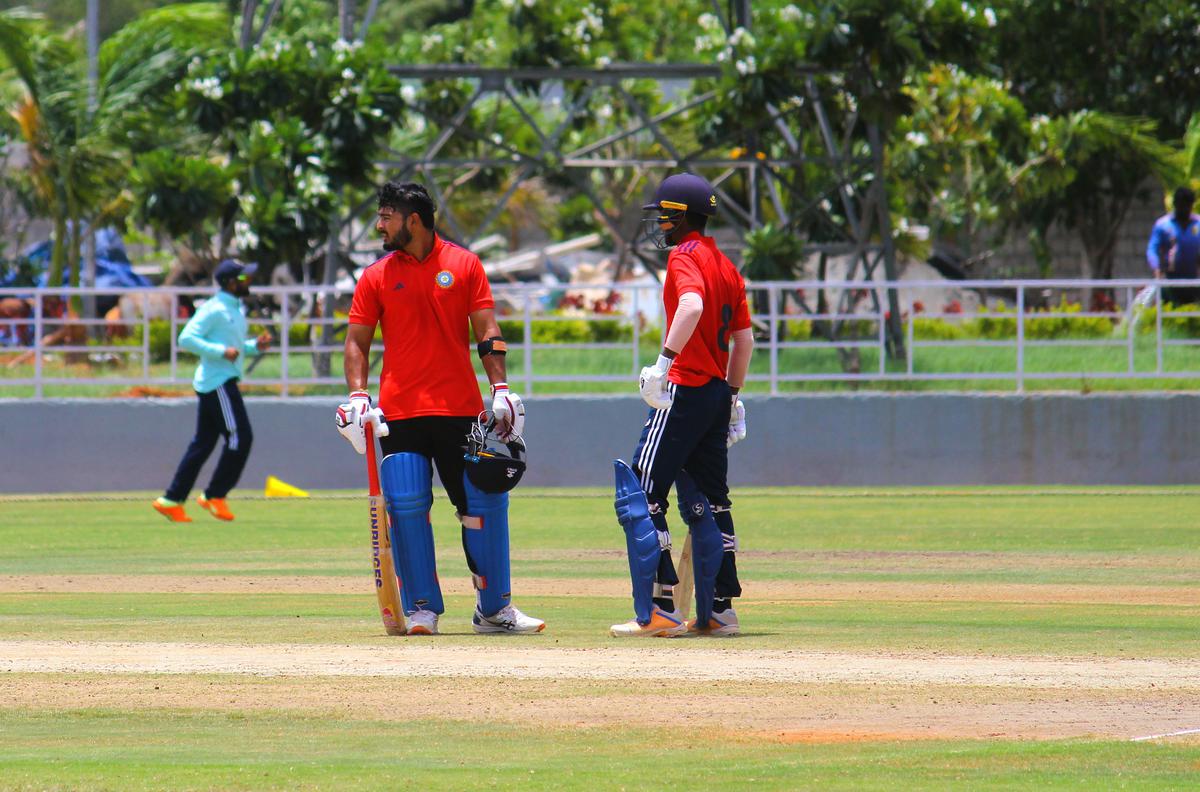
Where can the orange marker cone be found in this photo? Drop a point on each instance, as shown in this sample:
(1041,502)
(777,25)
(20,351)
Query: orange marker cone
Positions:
(281,489)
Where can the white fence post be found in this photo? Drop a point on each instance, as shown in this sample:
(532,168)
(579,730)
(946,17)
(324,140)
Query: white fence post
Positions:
(285,335)
(145,336)
(1158,331)
(773,324)
(38,331)
(1020,338)
(528,343)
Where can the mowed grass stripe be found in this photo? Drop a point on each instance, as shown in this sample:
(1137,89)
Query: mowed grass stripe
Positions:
(1051,628)
(863,588)
(156,750)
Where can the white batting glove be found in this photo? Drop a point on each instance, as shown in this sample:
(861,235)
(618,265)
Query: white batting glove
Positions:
(349,419)
(737,422)
(374,417)
(653,384)
(508,410)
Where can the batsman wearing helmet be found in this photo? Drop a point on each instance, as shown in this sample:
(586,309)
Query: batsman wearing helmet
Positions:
(424,293)
(695,417)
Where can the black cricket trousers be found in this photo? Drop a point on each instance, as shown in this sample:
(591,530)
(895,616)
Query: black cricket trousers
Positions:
(222,413)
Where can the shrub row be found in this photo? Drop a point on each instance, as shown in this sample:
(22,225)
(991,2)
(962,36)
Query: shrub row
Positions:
(564,331)
(1000,323)
(567,331)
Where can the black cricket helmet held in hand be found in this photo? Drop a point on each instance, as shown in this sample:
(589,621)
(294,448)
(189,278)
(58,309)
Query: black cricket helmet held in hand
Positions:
(677,195)
(493,465)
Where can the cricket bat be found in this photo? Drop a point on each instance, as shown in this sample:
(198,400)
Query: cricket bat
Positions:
(682,595)
(387,588)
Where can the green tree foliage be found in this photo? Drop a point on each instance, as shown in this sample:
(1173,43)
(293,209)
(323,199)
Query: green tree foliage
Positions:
(1112,82)
(1124,58)
(1037,111)
(953,155)
(79,145)
(297,123)
(1084,172)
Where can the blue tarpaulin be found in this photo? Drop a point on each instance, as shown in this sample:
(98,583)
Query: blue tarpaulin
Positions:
(113,268)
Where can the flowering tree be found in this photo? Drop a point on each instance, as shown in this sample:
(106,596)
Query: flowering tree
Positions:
(297,123)
(866,51)
(953,156)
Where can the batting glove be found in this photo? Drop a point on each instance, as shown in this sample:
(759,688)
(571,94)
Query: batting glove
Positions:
(737,422)
(350,417)
(653,384)
(508,410)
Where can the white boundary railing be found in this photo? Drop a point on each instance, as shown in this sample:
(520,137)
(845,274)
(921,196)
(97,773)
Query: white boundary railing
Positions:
(529,304)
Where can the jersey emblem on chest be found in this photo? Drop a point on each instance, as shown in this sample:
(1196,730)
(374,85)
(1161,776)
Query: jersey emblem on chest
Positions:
(445,279)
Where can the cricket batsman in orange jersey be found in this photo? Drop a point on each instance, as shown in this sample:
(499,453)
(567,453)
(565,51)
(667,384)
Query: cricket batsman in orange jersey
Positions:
(695,416)
(424,294)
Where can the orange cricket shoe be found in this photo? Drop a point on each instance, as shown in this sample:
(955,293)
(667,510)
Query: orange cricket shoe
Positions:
(662,625)
(173,513)
(217,507)
(724,624)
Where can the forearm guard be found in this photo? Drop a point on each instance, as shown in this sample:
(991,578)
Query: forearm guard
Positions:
(492,346)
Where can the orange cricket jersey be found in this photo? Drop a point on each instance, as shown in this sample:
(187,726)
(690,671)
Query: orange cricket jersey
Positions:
(423,309)
(696,265)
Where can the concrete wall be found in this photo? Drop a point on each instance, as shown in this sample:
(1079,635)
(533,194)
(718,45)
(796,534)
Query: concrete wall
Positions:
(858,440)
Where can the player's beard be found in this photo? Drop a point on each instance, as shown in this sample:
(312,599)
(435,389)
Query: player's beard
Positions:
(399,241)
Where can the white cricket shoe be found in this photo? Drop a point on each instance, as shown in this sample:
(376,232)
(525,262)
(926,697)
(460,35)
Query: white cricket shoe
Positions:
(422,622)
(663,624)
(506,620)
(723,624)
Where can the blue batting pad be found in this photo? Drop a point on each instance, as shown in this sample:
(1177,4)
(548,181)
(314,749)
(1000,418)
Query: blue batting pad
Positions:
(485,534)
(707,546)
(407,482)
(641,539)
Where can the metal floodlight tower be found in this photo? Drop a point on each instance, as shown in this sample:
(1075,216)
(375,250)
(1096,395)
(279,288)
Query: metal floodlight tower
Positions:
(771,185)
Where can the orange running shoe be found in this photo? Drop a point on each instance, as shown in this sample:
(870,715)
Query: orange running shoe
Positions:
(174,513)
(217,507)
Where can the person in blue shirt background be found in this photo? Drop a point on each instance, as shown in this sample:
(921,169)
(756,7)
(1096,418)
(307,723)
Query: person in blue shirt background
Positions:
(217,334)
(1174,248)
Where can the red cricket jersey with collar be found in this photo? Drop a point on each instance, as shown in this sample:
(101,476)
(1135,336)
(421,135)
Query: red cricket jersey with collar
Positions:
(423,309)
(696,265)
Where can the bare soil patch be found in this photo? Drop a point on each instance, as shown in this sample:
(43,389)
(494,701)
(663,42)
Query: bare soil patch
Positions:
(747,694)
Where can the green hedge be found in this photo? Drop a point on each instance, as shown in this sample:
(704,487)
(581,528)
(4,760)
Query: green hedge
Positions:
(1172,325)
(567,331)
(160,339)
(1000,323)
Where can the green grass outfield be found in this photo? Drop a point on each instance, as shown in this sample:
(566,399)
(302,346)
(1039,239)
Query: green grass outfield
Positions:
(998,576)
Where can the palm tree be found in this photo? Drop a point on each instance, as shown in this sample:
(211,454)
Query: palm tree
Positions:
(1085,172)
(80,146)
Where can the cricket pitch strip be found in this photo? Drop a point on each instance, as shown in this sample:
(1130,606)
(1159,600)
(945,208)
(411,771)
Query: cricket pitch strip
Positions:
(773,694)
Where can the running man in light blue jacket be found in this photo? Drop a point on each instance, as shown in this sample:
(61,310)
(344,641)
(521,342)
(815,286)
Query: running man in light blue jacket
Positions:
(217,334)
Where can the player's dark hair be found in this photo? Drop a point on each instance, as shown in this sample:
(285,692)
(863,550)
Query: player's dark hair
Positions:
(696,221)
(408,198)
(1184,196)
